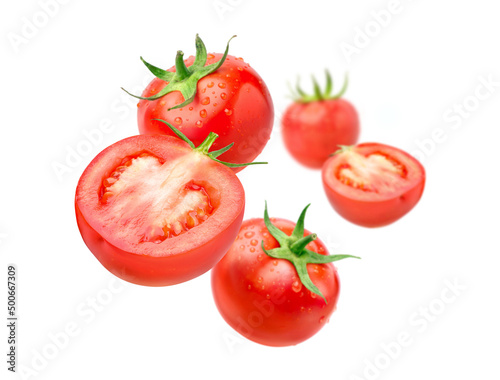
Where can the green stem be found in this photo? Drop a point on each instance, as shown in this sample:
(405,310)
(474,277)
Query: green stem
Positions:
(207,143)
(298,246)
(180,67)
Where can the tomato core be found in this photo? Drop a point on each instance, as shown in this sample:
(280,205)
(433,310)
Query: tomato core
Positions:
(375,172)
(153,200)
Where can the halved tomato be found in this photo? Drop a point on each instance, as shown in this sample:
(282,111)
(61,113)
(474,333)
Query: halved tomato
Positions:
(372,184)
(155,211)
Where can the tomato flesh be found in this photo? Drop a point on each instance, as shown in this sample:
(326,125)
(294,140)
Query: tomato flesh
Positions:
(155,212)
(373,184)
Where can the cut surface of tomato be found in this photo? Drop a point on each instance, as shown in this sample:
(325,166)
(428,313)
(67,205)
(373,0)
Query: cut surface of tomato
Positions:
(156,212)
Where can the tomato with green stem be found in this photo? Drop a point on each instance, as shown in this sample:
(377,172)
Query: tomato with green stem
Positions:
(156,210)
(314,125)
(216,93)
(277,285)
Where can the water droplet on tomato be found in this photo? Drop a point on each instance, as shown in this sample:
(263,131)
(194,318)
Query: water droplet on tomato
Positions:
(309,310)
(302,308)
(240,68)
(199,123)
(228,112)
(210,56)
(249,286)
(215,104)
(322,320)
(260,257)
(249,234)
(252,249)
(296,286)
(268,296)
(242,247)
(275,262)
(190,108)
(210,85)
(205,101)
(253,242)
(260,279)
(178,120)
(222,85)
(203,113)
(223,95)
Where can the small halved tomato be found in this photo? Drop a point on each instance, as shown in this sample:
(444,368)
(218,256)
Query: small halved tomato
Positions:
(156,211)
(372,184)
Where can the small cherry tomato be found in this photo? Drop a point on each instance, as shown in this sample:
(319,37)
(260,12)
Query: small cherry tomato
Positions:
(210,93)
(277,285)
(315,125)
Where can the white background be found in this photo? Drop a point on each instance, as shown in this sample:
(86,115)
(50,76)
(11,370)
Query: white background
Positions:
(66,78)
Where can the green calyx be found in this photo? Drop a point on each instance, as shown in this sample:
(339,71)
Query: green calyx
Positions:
(342,149)
(293,249)
(205,146)
(184,79)
(299,96)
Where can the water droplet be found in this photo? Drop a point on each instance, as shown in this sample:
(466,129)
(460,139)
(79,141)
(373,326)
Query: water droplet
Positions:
(190,108)
(222,85)
(313,295)
(322,320)
(228,112)
(252,249)
(260,279)
(309,310)
(249,234)
(178,120)
(302,308)
(223,95)
(203,113)
(210,85)
(210,56)
(275,262)
(213,92)
(268,296)
(205,101)
(162,103)
(260,257)
(249,286)
(199,123)
(215,104)
(242,247)
(254,242)
(296,286)
(239,59)
(240,68)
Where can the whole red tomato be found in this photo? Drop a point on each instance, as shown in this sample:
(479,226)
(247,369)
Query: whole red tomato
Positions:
(276,285)
(210,93)
(156,211)
(372,184)
(315,125)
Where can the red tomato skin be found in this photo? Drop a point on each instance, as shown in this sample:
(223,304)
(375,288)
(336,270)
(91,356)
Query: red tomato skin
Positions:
(376,213)
(156,271)
(262,298)
(312,131)
(177,259)
(233,102)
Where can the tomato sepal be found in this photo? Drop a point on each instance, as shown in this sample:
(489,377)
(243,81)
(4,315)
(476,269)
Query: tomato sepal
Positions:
(293,249)
(184,79)
(300,96)
(205,146)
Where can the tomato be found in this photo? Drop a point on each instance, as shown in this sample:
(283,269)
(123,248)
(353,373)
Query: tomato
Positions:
(276,285)
(154,211)
(314,125)
(372,184)
(232,101)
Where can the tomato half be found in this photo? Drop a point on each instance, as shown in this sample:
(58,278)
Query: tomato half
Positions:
(156,212)
(372,184)
(270,300)
(233,102)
